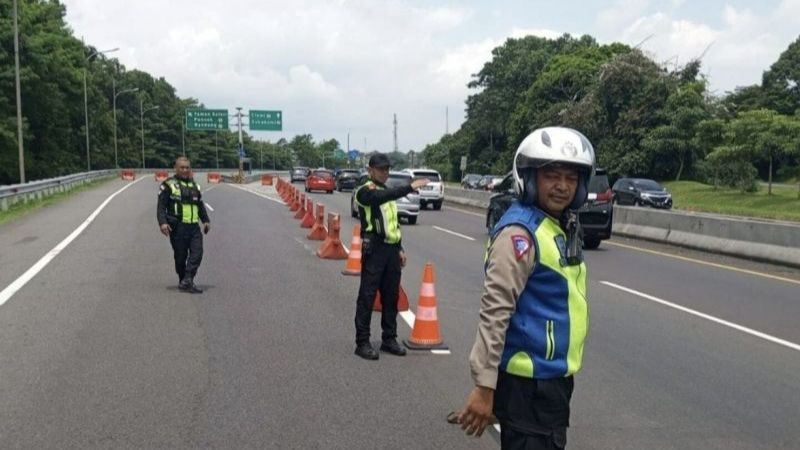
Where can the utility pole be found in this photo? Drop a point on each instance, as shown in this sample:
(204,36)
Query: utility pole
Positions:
(395,132)
(216,148)
(19,97)
(183,134)
(241,144)
(261,155)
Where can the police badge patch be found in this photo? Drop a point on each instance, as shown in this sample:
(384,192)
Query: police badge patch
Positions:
(522,245)
(561,243)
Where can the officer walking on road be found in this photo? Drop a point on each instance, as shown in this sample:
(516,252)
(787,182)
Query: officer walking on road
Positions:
(382,256)
(180,212)
(534,312)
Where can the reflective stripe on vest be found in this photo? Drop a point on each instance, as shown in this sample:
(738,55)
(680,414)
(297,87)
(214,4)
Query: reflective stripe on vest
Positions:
(186,211)
(388,224)
(547,331)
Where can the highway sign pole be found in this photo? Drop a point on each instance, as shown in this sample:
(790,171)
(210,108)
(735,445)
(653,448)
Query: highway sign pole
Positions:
(241,144)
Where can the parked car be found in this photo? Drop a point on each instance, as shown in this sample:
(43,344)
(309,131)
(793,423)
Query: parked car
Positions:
(641,192)
(320,180)
(298,174)
(470,181)
(595,216)
(407,207)
(433,192)
(347,179)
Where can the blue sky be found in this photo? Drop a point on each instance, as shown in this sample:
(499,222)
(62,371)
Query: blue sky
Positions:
(345,66)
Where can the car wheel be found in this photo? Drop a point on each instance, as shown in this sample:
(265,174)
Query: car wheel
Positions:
(591,243)
(437,205)
(330,192)
(412,220)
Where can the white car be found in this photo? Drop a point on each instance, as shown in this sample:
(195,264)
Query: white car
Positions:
(433,192)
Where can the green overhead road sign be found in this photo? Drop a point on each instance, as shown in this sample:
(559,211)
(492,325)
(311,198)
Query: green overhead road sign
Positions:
(206,119)
(266,120)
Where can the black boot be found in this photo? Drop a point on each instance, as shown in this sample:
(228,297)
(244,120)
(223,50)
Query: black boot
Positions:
(391,346)
(187,285)
(366,351)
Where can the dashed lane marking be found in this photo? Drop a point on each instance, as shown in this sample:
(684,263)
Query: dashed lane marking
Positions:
(258,194)
(705,263)
(711,318)
(23,279)
(209,207)
(464,211)
(462,236)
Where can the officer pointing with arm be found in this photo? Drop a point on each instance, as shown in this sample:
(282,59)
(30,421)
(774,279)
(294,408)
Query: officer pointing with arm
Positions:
(180,212)
(382,256)
(533,311)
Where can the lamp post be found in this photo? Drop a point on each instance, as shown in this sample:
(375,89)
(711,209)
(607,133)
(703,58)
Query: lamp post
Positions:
(19,97)
(86,104)
(114,108)
(141,121)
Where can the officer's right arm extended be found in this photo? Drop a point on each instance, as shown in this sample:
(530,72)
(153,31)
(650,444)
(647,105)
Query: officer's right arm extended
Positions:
(376,197)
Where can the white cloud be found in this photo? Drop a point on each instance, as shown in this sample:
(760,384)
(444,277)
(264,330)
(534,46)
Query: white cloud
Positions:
(621,13)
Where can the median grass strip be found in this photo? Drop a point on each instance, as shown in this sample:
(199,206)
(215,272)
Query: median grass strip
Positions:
(783,204)
(22,208)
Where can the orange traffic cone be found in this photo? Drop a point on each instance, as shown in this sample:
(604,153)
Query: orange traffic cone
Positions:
(402,301)
(308,219)
(301,212)
(425,335)
(296,204)
(319,232)
(332,248)
(353,265)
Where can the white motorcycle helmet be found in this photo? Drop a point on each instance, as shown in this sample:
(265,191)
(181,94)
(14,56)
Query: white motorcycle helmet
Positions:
(553,145)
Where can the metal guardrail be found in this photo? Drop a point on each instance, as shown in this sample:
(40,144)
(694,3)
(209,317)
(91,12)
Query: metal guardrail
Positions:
(14,193)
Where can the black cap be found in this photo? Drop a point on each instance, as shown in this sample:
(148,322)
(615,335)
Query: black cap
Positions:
(379,160)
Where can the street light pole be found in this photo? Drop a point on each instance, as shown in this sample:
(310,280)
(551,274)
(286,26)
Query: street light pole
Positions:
(141,121)
(114,107)
(216,148)
(86,105)
(19,97)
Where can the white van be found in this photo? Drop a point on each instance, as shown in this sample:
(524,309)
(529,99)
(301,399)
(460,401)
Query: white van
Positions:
(433,192)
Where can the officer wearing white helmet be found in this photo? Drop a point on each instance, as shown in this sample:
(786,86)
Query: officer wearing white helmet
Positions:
(534,312)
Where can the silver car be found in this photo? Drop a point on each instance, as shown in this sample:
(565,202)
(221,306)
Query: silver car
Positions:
(407,207)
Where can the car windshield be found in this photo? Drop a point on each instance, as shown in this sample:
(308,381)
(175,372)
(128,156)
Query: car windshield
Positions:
(397,181)
(472,178)
(598,183)
(300,170)
(322,174)
(348,173)
(431,176)
(647,185)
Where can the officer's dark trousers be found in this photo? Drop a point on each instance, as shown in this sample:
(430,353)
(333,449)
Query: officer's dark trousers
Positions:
(380,270)
(533,413)
(187,246)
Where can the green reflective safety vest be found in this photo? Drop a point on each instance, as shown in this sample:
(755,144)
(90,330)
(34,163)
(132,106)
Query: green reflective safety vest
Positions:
(184,196)
(387,223)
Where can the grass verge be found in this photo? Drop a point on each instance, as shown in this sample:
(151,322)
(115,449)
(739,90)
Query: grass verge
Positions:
(783,204)
(20,209)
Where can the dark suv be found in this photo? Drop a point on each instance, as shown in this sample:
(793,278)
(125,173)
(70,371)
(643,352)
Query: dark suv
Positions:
(641,192)
(595,216)
(347,179)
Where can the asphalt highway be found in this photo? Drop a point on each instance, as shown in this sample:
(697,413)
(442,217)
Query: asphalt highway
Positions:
(98,348)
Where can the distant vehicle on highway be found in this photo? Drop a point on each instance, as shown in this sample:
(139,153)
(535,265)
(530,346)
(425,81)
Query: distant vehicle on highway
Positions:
(347,179)
(298,173)
(320,180)
(433,192)
(407,207)
(486,179)
(470,181)
(641,192)
(595,216)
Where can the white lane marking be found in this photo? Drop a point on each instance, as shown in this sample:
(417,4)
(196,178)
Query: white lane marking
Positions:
(497,427)
(738,327)
(454,233)
(705,263)
(210,188)
(209,207)
(23,279)
(409,318)
(465,211)
(257,193)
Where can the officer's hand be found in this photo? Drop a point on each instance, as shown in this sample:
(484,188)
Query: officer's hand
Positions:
(418,183)
(477,413)
(206,227)
(403,259)
(166,229)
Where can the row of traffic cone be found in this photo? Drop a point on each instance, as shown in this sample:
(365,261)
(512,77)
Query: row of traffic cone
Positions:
(426,334)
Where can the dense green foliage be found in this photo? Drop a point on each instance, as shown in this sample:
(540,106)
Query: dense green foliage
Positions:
(643,119)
